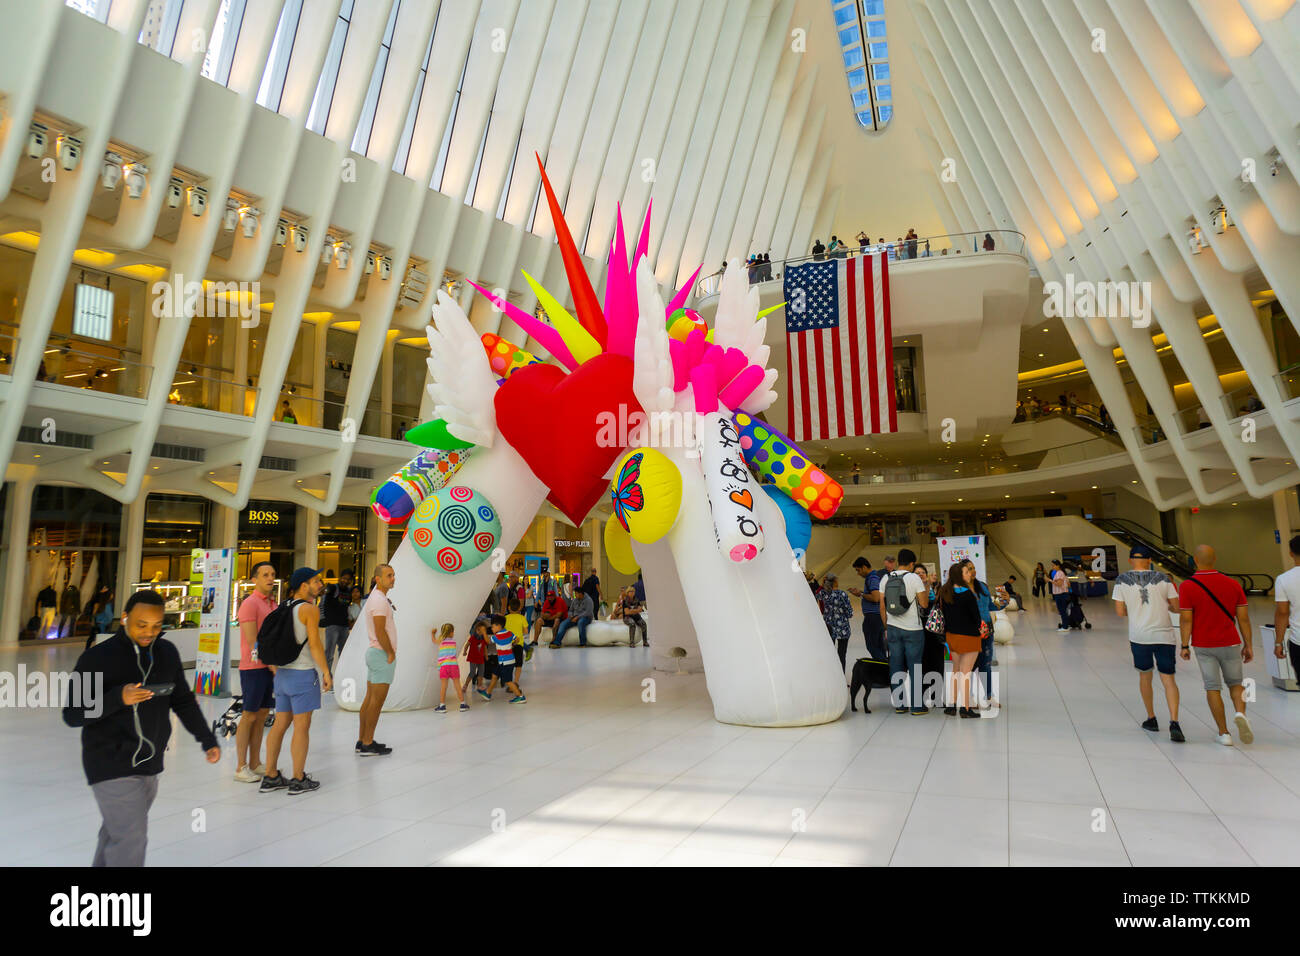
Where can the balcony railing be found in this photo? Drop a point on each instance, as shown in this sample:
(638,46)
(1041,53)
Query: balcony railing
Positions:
(1070,454)
(899,251)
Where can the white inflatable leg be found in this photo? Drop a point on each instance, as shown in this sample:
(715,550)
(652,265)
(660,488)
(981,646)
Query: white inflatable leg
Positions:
(674,648)
(425,598)
(768,659)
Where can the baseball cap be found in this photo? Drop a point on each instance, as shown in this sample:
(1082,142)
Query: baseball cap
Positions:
(301,577)
(1139,551)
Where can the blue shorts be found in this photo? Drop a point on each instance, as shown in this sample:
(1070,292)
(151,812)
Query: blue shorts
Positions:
(1161,656)
(378,669)
(296,692)
(258,687)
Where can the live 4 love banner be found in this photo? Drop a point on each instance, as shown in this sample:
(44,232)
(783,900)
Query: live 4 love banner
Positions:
(212,570)
(952,550)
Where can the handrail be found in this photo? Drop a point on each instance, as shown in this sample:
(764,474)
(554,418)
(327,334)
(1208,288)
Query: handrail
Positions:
(1006,241)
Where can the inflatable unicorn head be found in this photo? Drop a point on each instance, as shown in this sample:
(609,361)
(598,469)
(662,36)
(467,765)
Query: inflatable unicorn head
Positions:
(723,581)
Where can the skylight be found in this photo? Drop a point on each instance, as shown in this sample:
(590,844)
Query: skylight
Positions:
(864,45)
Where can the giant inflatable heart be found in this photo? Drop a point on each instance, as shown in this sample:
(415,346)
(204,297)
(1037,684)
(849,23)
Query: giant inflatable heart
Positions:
(552,420)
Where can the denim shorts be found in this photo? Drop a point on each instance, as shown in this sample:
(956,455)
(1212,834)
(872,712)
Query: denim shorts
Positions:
(1146,656)
(296,691)
(258,687)
(1219,666)
(378,668)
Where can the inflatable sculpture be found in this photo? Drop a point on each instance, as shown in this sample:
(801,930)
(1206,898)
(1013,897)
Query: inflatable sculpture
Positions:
(706,498)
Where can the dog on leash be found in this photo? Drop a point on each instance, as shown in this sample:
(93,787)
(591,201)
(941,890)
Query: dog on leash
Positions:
(867,674)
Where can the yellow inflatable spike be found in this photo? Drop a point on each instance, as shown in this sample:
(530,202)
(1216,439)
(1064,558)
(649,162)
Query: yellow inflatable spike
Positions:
(768,311)
(578,339)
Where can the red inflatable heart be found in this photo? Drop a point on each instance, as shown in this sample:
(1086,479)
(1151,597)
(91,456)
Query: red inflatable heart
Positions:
(557,423)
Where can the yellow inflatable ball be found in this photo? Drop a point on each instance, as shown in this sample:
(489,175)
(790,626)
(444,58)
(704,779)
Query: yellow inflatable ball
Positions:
(618,548)
(647,494)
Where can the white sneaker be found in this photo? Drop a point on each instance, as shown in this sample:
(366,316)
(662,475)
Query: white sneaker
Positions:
(260,770)
(247,775)
(1225,739)
(1243,728)
(1063,630)
(993,702)
(984,704)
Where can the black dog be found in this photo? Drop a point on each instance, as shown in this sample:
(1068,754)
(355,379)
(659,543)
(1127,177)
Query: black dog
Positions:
(867,674)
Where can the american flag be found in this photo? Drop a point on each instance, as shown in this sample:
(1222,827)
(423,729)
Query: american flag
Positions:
(840,352)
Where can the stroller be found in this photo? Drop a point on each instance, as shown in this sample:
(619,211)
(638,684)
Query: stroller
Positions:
(1074,615)
(228,723)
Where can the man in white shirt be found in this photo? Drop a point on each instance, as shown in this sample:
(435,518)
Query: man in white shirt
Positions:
(1286,615)
(1146,597)
(381,660)
(903,597)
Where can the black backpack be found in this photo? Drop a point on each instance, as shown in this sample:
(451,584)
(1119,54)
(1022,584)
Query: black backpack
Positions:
(896,601)
(276,642)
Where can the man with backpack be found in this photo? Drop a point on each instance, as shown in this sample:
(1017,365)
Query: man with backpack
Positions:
(290,630)
(1214,620)
(256,681)
(905,596)
(126,722)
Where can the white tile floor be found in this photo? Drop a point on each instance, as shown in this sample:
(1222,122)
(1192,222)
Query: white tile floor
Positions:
(588,773)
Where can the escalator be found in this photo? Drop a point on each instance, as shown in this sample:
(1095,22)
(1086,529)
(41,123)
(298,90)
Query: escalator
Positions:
(1172,558)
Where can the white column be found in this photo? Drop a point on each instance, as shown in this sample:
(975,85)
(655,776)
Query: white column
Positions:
(132,545)
(1282,521)
(306,535)
(13,538)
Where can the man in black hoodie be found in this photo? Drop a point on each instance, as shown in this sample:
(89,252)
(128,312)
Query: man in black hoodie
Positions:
(125,728)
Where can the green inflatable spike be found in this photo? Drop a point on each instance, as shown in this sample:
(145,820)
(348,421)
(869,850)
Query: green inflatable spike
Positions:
(434,434)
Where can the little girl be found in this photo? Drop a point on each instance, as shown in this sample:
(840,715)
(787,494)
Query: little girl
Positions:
(474,657)
(448,669)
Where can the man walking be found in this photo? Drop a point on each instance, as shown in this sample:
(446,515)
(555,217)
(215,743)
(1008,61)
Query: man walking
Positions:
(125,722)
(298,688)
(580,614)
(256,681)
(1061,594)
(1286,615)
(591,585)
(1214,620)
(1146,597)
(381,659)
(873,630)
(905,595)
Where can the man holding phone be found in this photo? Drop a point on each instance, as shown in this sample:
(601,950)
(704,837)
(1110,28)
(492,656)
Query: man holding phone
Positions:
(125,724)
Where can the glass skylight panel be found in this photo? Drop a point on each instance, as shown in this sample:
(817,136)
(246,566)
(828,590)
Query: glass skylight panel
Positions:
(862,32)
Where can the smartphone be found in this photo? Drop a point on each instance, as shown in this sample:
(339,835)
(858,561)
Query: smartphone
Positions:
(159,690)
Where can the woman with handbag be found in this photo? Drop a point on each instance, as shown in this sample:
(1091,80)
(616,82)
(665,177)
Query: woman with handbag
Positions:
(961,616)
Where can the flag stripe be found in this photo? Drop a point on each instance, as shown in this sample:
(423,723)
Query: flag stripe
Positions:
(857,355)
(869,323)
(821,388)
(891,400)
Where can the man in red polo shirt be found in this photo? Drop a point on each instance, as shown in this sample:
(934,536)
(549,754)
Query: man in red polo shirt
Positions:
(1214,620)
(256,680)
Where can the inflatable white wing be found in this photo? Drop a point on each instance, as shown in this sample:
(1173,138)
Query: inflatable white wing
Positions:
(463,387)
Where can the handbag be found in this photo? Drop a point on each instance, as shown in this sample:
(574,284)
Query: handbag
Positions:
(934,620)
(985,630)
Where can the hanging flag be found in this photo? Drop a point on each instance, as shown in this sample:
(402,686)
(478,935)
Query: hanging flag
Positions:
(840,351)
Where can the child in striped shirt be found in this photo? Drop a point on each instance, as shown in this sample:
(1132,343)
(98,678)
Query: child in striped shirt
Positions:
(504,641)
(448,668)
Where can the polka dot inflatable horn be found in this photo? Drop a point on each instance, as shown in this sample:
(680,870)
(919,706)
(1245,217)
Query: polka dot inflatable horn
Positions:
(775,457)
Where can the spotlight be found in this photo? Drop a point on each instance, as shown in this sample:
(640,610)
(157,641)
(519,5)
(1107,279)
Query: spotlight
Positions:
(327,249)
(370,263)
(281,232)
(1194,240)
(175,193)
(1219,220)
(198,199)
(385,267)
(230,218)
(299,238)
(248,215)
(69,150)
(136,180)
(36,140)
(342,253)
(111,174)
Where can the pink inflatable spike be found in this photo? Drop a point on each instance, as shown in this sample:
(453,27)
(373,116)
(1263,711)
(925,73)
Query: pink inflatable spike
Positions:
(620,298)
(546,335)
(643,243)
(684,292)
(741,387)
(677,353)
(704,380)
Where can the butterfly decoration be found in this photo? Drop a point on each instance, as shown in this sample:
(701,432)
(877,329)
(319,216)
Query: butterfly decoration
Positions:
(627,493)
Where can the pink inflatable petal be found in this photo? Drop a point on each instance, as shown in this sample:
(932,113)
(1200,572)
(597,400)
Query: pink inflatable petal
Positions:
(681,374)
(543,333)
(733,362)
(695,347)
(684,292)
(741,387)
(704,379)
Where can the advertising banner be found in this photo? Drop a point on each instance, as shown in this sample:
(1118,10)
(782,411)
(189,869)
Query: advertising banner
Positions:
(212,571)
(952,550)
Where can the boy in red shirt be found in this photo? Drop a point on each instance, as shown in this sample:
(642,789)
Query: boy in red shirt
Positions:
(1214,620)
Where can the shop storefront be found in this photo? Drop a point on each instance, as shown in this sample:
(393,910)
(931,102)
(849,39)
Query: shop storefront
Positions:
(266,533)
(174,525)
(72,550)
(341,542)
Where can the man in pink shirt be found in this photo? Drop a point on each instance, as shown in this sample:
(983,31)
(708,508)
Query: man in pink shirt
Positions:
(381,660)
(256,680)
